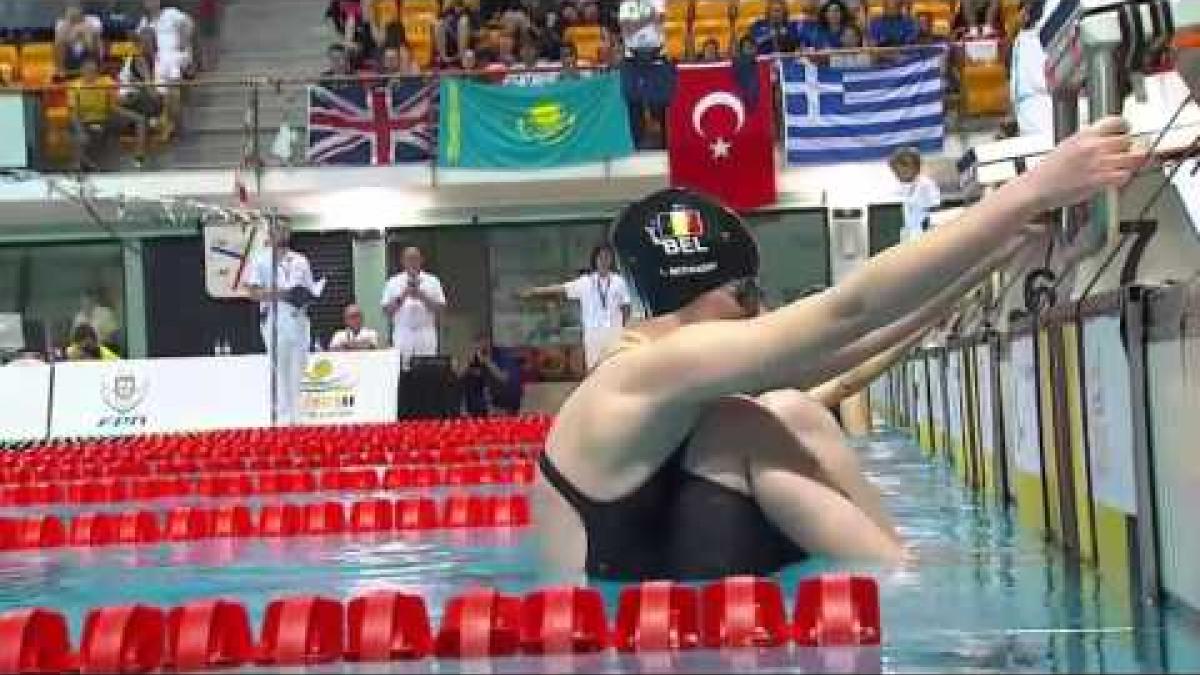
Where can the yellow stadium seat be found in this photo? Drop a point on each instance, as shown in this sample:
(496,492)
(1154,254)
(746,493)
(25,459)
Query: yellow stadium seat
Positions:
(384,12)
(676,39)
(677,10)
(37,73)
(420,6)
(985,89)
(751,9)
(37,52)
(587,40)
(420,42)
(10,64)
(799,9)
(703,31)
(707,10)
(122,49)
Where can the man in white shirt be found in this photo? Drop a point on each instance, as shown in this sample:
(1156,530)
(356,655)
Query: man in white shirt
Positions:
(642,24)
(76,35)
(173,30)
(917,192)
(354,336)
(1032,102)
(288,347)
(604,303)
(413,299)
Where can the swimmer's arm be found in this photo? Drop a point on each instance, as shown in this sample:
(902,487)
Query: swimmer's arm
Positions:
(789,347)
(883,347)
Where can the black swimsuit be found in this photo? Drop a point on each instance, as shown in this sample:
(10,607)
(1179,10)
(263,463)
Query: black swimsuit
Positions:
(676,526)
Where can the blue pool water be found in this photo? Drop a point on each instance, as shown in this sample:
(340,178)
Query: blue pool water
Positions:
(988,597)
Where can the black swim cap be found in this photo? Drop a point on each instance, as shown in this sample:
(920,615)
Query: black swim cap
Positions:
(676,245)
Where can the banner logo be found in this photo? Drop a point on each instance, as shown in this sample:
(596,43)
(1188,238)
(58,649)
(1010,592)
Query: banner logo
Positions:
(123,391)
(328,392)
(678,231)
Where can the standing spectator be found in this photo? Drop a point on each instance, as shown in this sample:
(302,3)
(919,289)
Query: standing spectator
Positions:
(777,33)
(139,100)
(647,79)
(530,72)
(174,33)
(208,20)
(604,303)
(95,312)
(917,192)
(354,336)
(93,105)
(414,299)
(491,380)
(1032,103)
(76,36)
(86,346)
(893,28)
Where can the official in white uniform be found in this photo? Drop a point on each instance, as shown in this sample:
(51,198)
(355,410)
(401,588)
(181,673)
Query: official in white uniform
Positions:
(919,194)
(293,332)
(604,303)
(355,336)
(413,299)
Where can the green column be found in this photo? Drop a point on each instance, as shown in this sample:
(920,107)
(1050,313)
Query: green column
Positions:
(135,303)
(370,273)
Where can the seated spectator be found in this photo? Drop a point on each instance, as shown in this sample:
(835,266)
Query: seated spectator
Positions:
(589,14)
(777,33)
(531,71)
(570,64)
(138,99)
(894,28)
(93,103)
(710,51)
(979,18)
(917,192)
(456,31)
(491,380)
(827,31)
(340,69)
(384,22)
(398,62)
(354,336)
(85,346)
(570,16)
(497,45)
(76,36)
(925,34)
(642,27)
(95,312)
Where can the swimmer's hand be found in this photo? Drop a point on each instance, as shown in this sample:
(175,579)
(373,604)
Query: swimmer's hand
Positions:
(1100,156)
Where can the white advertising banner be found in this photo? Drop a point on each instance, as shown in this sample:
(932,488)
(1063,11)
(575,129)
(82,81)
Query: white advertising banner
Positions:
(954,396)
(987,420)
(1026,433)
(112,398)
(350,387)
(24,402)
(1110,427)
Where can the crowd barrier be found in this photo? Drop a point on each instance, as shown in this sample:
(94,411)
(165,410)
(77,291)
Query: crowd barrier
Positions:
(387,625)
(1081,419)
(192,523)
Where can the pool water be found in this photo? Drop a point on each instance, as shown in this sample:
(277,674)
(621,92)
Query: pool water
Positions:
(987,596)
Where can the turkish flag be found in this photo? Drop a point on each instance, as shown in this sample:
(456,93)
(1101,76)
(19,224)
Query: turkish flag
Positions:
(720,133)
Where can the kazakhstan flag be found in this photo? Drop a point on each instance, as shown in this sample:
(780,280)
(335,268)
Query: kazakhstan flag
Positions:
(493,126)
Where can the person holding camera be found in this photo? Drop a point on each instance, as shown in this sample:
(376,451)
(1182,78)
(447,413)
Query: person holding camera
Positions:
(491,380)
(413,299)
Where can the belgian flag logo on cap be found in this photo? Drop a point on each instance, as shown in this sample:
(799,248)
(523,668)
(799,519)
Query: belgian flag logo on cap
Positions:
(675,245)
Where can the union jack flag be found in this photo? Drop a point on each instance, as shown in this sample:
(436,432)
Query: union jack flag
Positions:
(357,124)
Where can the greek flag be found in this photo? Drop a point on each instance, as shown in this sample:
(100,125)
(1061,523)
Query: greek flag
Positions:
(835,114)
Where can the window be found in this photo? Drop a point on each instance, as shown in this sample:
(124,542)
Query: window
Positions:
(47,286)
